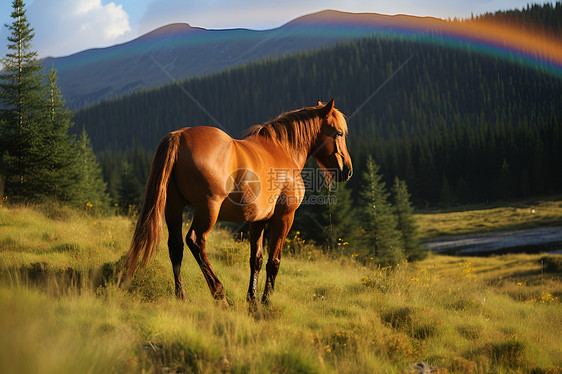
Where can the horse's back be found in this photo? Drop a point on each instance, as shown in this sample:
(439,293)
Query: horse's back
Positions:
(237,175)
(201,139)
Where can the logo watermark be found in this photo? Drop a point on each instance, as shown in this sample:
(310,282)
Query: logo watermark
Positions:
(309,199)
(282,185)
(244,186)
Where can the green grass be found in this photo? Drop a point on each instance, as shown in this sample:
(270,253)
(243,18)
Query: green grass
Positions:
(329,314)
(476,219)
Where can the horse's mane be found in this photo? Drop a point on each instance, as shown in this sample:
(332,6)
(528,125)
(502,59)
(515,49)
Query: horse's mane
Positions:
(297,129)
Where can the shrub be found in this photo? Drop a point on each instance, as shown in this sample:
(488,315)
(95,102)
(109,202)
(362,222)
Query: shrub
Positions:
(552,264)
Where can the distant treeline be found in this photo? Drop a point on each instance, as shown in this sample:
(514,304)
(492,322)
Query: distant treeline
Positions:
(546,18)
(455,125)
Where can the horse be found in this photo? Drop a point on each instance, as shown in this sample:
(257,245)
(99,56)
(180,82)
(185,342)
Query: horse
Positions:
(256,179)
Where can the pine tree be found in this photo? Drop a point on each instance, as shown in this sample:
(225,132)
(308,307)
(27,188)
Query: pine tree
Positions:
(405,221)
(343,226)
(503,184)
(2,167)
(23,106)
(58,172)
(111,168)
(38,159)
(447,196)
(377,217)
(327,217)
(129,189)
(91,189)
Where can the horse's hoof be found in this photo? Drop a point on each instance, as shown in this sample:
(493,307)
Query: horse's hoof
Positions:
(252,306)
(223,304)
(180,295)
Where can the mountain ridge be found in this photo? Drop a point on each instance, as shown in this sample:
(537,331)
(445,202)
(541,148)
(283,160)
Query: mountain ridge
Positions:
(92,75)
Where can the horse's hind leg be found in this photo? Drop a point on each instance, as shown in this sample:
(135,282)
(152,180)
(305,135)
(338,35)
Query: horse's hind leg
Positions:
(175,204)
(204,218)
(280,227)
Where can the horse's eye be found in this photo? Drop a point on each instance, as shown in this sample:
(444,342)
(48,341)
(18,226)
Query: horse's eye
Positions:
(338,134)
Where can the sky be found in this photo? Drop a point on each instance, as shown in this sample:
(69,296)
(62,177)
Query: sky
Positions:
(64,27)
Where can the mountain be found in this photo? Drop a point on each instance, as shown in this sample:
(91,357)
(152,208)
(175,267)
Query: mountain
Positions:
(179,51)
(457,122)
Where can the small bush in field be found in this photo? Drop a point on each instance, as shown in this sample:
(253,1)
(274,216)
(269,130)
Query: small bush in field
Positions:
(552,264)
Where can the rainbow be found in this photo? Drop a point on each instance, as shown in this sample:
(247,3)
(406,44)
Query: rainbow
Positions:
(506,41)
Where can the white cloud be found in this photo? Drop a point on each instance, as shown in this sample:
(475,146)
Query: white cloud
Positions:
(67,26)
(85,6)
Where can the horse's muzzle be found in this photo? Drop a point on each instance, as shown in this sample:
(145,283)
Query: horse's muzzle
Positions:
(344,174)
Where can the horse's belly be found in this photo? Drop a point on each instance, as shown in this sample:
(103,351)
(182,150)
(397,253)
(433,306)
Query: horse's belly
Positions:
(232,210)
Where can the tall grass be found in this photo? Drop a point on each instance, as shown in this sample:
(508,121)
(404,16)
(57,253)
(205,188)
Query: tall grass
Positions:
(500,314)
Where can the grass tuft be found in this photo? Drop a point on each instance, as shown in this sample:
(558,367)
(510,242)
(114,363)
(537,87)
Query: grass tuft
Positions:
(508,353)
(66,247)
(290,360)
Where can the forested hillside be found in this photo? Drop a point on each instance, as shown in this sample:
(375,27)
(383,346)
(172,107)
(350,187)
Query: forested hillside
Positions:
(457,126)
(454,125)
(544,18)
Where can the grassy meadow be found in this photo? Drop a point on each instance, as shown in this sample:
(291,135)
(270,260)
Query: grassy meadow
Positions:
(484,218)
(61,312)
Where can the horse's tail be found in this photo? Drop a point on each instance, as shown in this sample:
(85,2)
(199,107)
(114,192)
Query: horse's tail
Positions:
(149,226)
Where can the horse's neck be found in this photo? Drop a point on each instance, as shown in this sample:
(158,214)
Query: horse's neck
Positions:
(300,159)
(305,154)
(299,156)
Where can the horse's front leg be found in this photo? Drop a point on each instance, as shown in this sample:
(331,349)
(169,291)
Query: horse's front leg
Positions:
(280,226)
(256,259)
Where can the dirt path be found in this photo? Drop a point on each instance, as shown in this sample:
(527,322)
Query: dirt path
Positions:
(546,239)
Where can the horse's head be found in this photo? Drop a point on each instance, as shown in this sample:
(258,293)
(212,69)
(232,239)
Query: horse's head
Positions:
(330,150)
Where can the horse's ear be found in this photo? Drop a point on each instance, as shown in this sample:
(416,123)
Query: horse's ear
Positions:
(327,108)
(320,103)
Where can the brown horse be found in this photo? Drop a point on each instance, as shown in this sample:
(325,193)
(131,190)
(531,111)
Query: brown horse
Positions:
(256,179)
